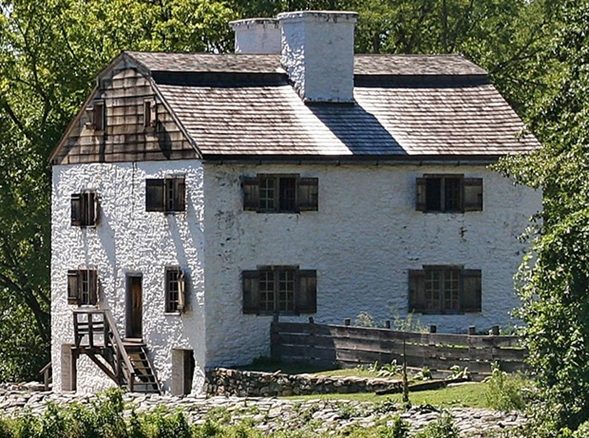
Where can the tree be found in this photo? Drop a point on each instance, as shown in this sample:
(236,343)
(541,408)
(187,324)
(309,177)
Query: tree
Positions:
(555,278)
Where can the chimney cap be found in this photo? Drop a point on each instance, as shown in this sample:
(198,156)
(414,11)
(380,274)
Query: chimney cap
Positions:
(253,22)
(319,15)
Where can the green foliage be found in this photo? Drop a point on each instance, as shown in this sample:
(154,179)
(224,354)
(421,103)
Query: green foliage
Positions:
(506,392)
(364,319)
(442,427)
(554,279)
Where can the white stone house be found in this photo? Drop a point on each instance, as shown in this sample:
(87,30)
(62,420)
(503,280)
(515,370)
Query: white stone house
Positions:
(197,195)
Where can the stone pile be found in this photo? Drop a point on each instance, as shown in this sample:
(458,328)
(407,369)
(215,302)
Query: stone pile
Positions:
(222,381)
(271,414)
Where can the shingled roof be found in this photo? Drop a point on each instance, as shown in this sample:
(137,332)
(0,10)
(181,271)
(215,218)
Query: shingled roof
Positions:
(406,106)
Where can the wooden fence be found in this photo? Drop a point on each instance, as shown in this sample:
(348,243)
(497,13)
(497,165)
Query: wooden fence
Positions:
(351,346)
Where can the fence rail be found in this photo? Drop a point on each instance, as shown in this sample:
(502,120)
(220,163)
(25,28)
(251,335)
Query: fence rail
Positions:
(351,346)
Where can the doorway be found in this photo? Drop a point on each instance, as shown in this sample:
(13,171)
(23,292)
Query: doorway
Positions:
(134,327)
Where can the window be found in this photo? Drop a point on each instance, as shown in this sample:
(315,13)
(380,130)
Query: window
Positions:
(449,194)
(175,290)
(444,289)
(149,113)
(280,193)
(96,115)
(82,287)
(84,211)
(279,289)
(165,194)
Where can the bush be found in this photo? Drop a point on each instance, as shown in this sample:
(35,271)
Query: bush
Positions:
(505,392)
(443,427)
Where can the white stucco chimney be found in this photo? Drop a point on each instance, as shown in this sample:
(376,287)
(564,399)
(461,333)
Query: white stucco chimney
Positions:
(318,54)
(256,35)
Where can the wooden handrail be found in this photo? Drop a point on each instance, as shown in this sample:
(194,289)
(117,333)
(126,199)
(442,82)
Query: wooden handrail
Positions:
(121,352)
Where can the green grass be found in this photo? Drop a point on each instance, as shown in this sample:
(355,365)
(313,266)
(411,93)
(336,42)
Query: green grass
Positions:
(468,395)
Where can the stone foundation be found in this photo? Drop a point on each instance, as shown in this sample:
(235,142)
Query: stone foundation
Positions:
(223,381)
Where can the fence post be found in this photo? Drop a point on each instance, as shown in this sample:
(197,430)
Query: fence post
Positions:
(495,330)
(433,328)
(472,330)
(275,353)
(347,321)
(387,324)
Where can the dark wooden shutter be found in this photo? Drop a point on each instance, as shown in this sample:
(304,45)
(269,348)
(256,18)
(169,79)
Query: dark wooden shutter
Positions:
(147,114)
(73,287)
(417,301)
(473,194)
(154,195)
(251,193)
(179,194)
(89,209)
(251,295)
(308,194)
(420,194)
(76,213)
(471,290)
(306,293)
(182,288)
(92,287)
(99,116)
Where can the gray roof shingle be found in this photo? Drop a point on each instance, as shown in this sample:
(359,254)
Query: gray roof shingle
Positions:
(440,111)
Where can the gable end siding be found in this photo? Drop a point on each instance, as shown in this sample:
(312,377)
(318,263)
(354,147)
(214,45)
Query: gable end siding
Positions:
(125,138)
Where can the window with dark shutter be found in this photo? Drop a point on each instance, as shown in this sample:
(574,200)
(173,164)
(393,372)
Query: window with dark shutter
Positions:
(149,113)
(306,296)
(165,194)
(279,289)
(176,289)
(251,297)
(449,194)
(82,287)
(473,194)
(280,193)
(308,194)
(471,295)
(96,115)
(444,290)
(84,209)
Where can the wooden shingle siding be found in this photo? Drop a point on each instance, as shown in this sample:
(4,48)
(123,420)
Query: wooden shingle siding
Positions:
(125,138)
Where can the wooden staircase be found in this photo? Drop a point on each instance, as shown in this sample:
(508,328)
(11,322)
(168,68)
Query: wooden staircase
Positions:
(125,362)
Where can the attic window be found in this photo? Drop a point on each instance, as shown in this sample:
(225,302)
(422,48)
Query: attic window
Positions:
(96,115)
(149,113)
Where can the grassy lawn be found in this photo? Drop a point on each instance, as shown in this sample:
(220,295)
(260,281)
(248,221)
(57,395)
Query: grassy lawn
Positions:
(466,395)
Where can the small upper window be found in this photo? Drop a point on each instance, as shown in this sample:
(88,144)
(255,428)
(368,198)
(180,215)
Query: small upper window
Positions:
(96,115)
(165,194)
(449,194)
(84,209)
(82,287)
(280,193)
(175,290)
(149,113)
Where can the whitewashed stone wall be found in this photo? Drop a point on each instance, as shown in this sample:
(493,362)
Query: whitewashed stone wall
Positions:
(130,240)
(362,242)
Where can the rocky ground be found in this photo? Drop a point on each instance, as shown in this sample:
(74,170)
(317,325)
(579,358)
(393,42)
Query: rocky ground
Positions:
(272,414)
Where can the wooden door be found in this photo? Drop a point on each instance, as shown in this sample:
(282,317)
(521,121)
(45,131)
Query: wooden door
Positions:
(134,307)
